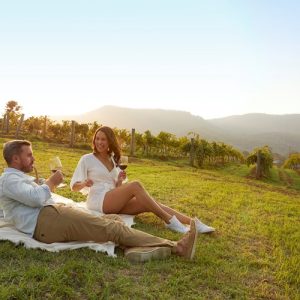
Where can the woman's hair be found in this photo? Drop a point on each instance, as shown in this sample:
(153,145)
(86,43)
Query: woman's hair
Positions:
(113,145)
(12,148)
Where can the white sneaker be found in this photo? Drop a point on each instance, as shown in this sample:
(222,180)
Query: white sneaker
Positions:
(176,225)
(202,228)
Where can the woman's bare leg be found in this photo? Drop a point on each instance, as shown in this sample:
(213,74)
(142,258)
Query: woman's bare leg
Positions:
(180,216)
(116,200)
(134,207)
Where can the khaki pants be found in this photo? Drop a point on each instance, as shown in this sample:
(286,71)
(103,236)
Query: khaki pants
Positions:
(61,223)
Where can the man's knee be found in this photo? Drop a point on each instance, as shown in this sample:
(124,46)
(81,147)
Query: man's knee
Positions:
(114,217)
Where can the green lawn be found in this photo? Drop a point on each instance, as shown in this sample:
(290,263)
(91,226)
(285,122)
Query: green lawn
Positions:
(255,253)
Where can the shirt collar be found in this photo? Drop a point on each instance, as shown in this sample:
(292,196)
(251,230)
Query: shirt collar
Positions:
(12,170)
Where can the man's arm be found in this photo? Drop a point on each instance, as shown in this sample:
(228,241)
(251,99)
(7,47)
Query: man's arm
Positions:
(20,189)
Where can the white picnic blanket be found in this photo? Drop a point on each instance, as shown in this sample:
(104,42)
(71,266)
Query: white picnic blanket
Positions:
(9,233)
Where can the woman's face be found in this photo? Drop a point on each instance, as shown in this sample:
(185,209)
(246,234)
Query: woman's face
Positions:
(101,142)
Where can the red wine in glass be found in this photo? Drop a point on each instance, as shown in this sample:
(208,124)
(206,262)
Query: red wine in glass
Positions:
(55,164)
(122,166)
(123,163)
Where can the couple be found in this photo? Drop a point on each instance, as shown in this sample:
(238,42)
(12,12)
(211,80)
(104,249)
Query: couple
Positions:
(97,174)
(31,209)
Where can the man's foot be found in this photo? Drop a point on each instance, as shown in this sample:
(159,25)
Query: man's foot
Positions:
(143,254)
(176,225)
(202,228)
(187,245)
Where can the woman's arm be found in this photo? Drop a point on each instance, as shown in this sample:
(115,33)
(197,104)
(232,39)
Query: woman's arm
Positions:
(79,176)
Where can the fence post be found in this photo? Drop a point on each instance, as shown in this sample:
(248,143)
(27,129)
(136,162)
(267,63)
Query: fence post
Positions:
(72,134)
(258,173)
(19,126)
(132,143)
(7,124)
(44,127)
(192,152)
(3,123)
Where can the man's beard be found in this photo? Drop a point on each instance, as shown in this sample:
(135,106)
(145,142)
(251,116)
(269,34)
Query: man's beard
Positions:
(27,169)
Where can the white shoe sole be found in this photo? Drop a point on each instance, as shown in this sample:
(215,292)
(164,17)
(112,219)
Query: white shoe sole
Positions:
(194,245)
(208,230)
(157,253)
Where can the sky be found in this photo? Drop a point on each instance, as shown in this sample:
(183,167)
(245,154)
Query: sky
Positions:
(211,58)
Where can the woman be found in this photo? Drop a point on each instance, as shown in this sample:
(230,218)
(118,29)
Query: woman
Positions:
(97,174)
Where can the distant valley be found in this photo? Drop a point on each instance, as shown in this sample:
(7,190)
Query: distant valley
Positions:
(280,132)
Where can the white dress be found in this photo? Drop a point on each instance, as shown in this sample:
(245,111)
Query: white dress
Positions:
(90,167)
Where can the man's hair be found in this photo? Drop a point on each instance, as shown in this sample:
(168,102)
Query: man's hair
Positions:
(12,148)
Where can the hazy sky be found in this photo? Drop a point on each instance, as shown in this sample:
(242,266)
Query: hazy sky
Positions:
(211,58)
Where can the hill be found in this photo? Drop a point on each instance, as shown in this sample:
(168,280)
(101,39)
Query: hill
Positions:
(155,120)
(259,123)
(280,132)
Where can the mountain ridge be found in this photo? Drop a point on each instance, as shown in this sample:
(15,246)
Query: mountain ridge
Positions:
(245,132)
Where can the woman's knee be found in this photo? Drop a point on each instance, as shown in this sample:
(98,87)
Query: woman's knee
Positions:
(137,186)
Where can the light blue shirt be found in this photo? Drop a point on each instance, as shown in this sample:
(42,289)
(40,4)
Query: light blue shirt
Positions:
(22,199)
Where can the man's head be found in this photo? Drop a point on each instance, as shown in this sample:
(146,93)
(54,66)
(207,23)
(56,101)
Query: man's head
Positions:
(18,154)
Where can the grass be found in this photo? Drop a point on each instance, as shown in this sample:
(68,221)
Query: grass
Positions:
(253,255)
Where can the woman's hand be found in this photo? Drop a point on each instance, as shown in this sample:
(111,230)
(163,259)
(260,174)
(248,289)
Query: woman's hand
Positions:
(121,177)
(88,182)
(79,185)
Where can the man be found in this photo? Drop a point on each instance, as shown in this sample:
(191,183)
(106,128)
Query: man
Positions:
(31,209)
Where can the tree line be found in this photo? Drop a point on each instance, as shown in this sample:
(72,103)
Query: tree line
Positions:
(163,145)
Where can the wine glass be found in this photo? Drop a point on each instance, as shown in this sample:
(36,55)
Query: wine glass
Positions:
(123,163)
(55,164)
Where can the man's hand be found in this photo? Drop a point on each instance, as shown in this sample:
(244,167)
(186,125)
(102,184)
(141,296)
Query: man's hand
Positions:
(55,179)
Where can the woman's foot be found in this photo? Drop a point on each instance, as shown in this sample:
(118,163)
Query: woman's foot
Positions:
(202,228)
(176,225)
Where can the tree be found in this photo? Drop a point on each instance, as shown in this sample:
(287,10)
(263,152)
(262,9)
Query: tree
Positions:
(139,141)
(150,141)
(12,106)
(263,159)
(34,125)
(123,136)
(60,132)
(81,132)
(293,161)
(203,150)
(13,109)
(164,140)
(92,129)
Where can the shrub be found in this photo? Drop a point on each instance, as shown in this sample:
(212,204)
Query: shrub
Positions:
(266,160)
